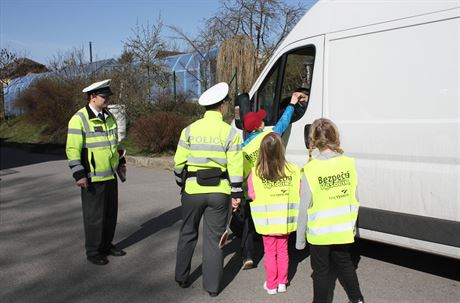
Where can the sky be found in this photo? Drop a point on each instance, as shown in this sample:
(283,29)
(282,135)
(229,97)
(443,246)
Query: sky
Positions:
(41,29)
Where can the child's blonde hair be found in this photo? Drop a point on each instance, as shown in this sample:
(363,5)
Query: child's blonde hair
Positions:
(324,134)
(271,161)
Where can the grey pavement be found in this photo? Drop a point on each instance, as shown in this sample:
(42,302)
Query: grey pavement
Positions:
(42,251)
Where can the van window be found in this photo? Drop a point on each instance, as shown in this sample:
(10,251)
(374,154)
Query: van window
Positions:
(293,70)
(267,94)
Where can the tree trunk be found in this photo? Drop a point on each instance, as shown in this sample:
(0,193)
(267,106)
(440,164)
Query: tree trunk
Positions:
(2,103)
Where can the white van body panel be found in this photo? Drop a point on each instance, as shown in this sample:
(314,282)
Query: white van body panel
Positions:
(402,123)
(327,17)
(387,72)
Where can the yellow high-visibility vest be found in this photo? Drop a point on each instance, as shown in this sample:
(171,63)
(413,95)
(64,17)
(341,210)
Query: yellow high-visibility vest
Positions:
(92,146)
(333,212)
(251,152)
(210,143)
(276,206)
(250,155)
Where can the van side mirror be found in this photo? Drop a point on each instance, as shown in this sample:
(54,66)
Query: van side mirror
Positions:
(306,131)
(242,107)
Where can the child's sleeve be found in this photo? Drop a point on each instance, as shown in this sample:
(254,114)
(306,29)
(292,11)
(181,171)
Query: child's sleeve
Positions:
(251,192)
(305,198)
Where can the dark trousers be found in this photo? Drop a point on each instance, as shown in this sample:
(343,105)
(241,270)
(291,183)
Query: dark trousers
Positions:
(321,258)
(100,208)
(249,231)
(214,208)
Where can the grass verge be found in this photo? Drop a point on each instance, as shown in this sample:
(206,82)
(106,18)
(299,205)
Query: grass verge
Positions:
(19,130)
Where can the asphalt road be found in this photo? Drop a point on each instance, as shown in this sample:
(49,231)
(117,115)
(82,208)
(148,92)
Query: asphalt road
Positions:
(42,251)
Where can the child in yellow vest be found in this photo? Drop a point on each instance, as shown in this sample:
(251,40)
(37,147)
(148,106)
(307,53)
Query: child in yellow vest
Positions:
(273,186)
(328,211)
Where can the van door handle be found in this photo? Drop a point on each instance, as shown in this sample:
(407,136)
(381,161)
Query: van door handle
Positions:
(306,131)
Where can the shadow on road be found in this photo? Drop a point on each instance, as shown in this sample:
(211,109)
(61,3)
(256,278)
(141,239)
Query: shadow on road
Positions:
(425,262)
(417,260)
(18,154)
(232,267)
(152,226)
(295,256)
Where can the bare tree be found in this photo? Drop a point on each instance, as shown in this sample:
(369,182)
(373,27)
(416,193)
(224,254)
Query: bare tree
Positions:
(237,54)
(7,59)
(202,46)
(130,89)
(144,45)
(61,61)
(126,57)
(264,22)
(72,67)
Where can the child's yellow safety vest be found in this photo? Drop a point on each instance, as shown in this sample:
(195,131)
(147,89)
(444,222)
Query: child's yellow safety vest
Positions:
(276,207)
(333,212)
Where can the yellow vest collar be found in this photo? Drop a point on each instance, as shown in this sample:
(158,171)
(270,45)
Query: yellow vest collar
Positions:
(213,114)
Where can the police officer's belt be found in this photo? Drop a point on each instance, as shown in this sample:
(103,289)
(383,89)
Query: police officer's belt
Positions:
(208,177)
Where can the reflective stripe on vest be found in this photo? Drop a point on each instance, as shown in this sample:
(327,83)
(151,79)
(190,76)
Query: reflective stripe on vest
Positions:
(102,173)
(276,205)
(101,144)
(197,161)
(236,179)
(230,137)
(333,212)
(74,162)
(328,213)
(210,143)
(100,141)
(75,131)
(77,168)
(329,229)
(85,122)
(267,223)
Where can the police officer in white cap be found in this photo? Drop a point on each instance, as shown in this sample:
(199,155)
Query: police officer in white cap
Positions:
(209,168)
(92,151)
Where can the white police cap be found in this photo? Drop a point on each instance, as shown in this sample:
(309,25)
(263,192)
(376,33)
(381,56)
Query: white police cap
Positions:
(214,95)
(101,86)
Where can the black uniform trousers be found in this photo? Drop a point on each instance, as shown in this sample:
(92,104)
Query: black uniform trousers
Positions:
(100,208)
(248,235)
(321,257)
(214,207)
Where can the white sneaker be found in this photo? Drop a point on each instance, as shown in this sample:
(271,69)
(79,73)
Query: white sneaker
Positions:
(269,291)
(281,287)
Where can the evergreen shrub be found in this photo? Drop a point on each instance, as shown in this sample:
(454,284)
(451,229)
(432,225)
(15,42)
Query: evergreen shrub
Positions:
(50,103)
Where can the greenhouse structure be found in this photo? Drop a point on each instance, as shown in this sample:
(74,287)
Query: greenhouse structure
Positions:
(187,74)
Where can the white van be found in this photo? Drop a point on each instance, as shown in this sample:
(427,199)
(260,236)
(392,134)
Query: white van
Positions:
(388,73)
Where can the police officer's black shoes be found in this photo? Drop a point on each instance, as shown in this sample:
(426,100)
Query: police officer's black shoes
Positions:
(183,284)
(213,294)
(98,259)
(116,252)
